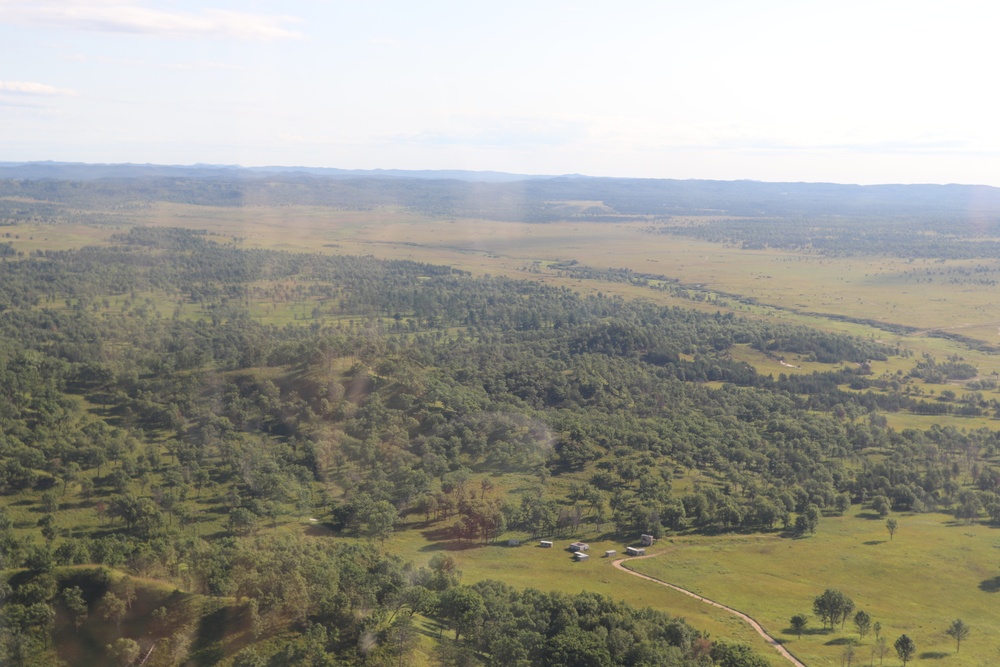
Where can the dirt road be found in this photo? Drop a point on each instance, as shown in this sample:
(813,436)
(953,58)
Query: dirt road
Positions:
(739,614)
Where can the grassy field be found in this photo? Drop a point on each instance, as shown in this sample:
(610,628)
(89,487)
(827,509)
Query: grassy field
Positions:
(529,566)
(933,571)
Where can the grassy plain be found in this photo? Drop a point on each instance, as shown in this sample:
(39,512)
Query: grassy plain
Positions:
(529,566)
(933,571)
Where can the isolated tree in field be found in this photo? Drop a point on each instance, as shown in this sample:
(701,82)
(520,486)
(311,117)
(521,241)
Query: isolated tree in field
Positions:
(849,652)
(958,631)
(891,525)
(877,629)
(863,622)
(832,606)
(799,623)
(881,648)
(905,648)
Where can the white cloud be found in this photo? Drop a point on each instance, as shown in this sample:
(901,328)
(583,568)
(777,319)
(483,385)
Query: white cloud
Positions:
(34,88)
(128,17)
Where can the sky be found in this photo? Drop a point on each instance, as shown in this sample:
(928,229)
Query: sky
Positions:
(843,91)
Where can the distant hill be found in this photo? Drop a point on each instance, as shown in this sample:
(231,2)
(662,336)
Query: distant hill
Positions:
(86,172)
(492,195)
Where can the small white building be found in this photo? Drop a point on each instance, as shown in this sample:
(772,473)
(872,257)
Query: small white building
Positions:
(635,551)
(513,542)
(579,555)
(610,553)
(646,540)
(579,546)
(545,544)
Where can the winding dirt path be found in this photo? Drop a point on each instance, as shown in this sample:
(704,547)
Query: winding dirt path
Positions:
(739,614)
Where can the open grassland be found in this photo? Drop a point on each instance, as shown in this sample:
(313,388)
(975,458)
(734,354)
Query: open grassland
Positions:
(933,571)
(530,566)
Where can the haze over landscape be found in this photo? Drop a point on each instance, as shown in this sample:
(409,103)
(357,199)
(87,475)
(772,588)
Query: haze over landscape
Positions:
(851,92)
(376,333)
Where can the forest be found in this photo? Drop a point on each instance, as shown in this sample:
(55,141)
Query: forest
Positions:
(160,422)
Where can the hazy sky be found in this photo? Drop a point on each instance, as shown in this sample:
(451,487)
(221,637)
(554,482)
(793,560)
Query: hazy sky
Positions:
(846,91)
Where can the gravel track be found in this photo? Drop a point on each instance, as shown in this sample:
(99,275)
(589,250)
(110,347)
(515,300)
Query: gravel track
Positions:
(739,614)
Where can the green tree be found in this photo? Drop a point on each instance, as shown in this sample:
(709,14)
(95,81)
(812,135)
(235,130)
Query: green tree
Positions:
(808,520)
(75,604)
(799,623)
(462,607)
(881,506)
(113,609)
(380,520)
(863,622)
(832,606)
(905,648)
(958,630)
(124,651)
(891,525)
(50,502)
(880,648)
(733,654)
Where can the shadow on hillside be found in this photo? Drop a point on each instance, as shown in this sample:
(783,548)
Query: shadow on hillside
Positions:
(808,632)
(841,641)
(319,530)
(437,534)
(933,655)
(871,516)
(451,545)
(871,543)
(990,585)
(443,539)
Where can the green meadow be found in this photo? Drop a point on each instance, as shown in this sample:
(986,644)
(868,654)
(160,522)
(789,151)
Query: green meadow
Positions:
(554,569)
(931,572)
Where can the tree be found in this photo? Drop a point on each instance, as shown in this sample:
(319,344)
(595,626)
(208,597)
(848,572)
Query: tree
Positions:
(125,651)
(958,631)
(881,648)
(849,652)
(808,520)
(881,505)
(832,606)
(863,622)
(462,607)
(905,648)
(75,604)
(380,519)
(732,654)
(799,623)
(846,607)
(113,609)
(891,525)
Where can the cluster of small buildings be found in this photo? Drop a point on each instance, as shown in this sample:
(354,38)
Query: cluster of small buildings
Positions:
(580,549)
